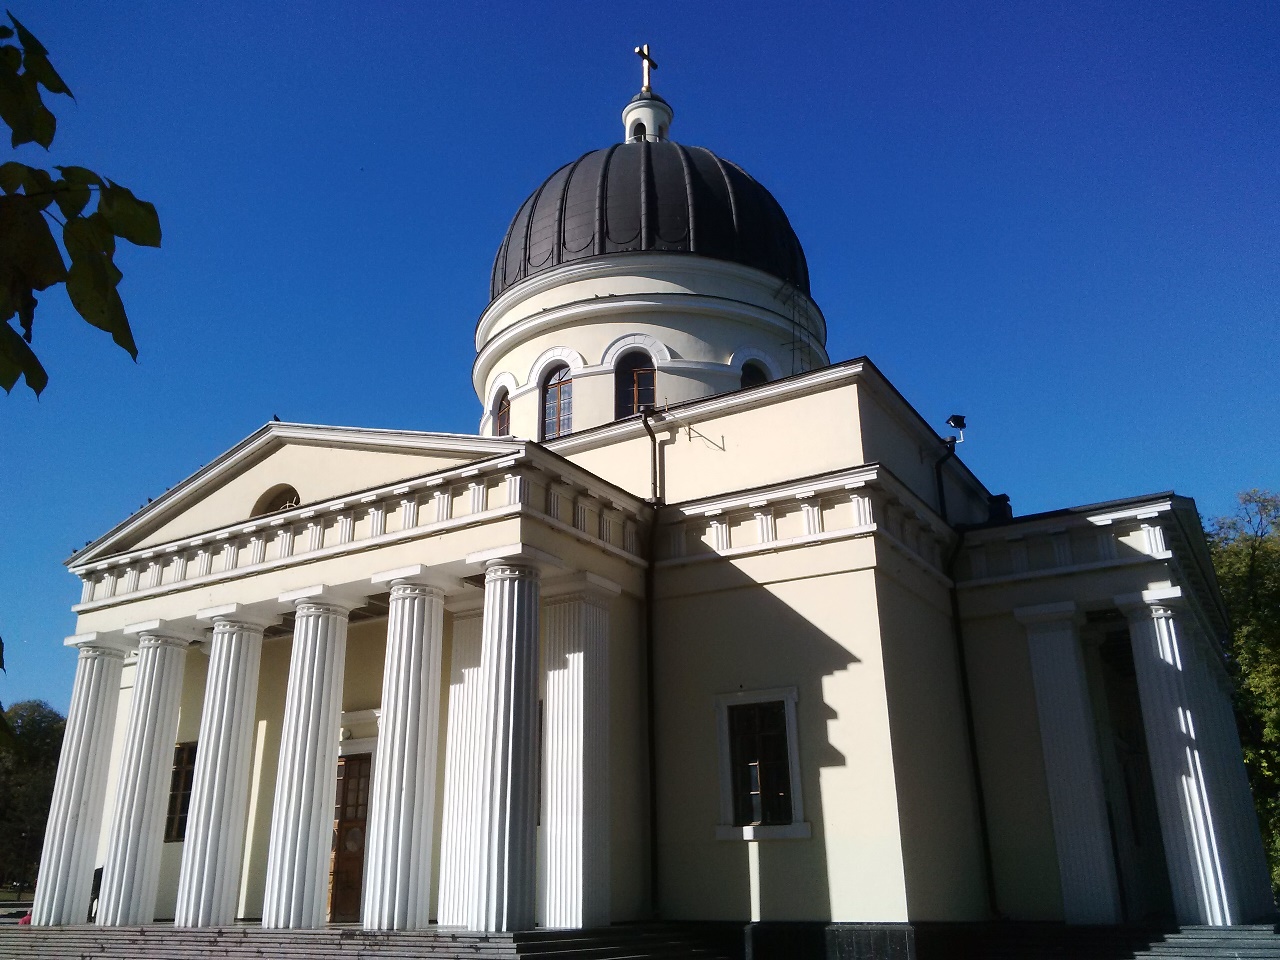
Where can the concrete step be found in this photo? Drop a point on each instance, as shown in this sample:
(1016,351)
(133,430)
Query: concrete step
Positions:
(246,942)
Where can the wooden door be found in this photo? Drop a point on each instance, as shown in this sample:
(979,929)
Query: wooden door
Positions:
(350,816)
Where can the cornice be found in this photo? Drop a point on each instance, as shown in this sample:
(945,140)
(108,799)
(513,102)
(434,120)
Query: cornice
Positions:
(270,437)
(529,454)
(637,265)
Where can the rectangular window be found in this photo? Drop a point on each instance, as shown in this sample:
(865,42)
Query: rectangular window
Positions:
(760,795)
(184,771)
(760,769)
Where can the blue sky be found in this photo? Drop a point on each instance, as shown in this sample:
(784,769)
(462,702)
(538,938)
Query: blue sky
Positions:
(1062,220)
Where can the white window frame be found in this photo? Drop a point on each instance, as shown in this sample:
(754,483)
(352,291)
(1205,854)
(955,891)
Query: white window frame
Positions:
(798,828)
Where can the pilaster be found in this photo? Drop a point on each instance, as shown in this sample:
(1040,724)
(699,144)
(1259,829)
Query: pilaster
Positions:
(1073,769)
(497,889)
(302,813)
(131,874)
(397,875)
(575,774)
(209,882)
(460,832)
(79,792)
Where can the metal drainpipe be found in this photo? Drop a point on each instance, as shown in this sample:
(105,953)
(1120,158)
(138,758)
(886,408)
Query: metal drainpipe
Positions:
(655,501)
(966,698)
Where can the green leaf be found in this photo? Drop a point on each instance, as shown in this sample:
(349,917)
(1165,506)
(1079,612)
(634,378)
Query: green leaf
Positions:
(5,32)
(29,256)
(89,233)
(80,175)
(21,107)
(18,359)
(39,186)
(71,198)
(26,37)
(129,218)
(12,176)
(43,123)
(91,284)
(41,70)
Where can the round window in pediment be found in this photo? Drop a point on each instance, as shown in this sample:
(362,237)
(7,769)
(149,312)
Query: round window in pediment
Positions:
(280,497)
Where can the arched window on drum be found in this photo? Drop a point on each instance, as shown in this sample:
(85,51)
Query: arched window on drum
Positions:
(557,402)
(502,414)
(634,384)
(753,374)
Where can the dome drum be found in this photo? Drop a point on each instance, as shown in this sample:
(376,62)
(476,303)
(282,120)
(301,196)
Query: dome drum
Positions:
(646,270)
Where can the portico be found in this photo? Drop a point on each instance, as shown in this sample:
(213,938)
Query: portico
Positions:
(463,566)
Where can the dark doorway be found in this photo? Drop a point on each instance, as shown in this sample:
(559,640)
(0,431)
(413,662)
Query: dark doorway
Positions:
(350,816)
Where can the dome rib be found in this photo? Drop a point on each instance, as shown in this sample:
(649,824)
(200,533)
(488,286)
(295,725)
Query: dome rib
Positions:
(664,198)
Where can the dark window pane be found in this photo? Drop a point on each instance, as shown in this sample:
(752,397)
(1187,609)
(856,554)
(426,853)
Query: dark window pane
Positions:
(633,381)
(760,771)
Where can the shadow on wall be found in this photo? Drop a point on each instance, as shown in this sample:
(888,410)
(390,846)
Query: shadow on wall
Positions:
(721,632)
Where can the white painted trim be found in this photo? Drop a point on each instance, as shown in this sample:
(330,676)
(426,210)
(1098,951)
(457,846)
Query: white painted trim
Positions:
(725,830)
(630,265)
(745,353)
(550,357)
(505,380)
(655,348)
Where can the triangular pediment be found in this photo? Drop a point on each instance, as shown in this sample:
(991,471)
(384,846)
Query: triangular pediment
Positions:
(319,462)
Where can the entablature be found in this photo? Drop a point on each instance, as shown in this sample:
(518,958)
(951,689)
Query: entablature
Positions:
(862,501)
(533,483)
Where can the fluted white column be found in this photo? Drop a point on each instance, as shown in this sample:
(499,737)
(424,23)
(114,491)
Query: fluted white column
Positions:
(575,774)
(131,874)
(1073,769)
(75,812)
(306,776)
(1249,895)
(460,833)
(1185,809)
(503,889)
(216,821)
(397,873)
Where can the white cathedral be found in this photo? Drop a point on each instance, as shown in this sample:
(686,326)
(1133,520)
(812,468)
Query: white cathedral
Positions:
(699,625)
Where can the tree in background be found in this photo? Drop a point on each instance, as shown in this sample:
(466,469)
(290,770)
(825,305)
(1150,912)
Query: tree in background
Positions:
(1246,556)
(27,770)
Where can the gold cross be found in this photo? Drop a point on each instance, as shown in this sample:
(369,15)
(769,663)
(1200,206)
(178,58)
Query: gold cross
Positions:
(649,64)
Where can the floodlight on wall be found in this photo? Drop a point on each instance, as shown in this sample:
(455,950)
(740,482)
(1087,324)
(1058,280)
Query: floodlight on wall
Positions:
(956,422)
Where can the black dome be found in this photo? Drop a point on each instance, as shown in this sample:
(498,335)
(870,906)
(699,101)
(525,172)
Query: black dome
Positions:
(649,195)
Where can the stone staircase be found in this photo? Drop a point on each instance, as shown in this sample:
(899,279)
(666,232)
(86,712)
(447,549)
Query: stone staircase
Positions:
(1045,941)
(1254,942)
(675,941)
(251,942)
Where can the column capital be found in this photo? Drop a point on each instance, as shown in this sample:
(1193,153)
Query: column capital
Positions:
(515,555)
(165,632)
(421,575)
(111,644)
(1155,602)
(251,616)
(341,601)
(1045,614)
